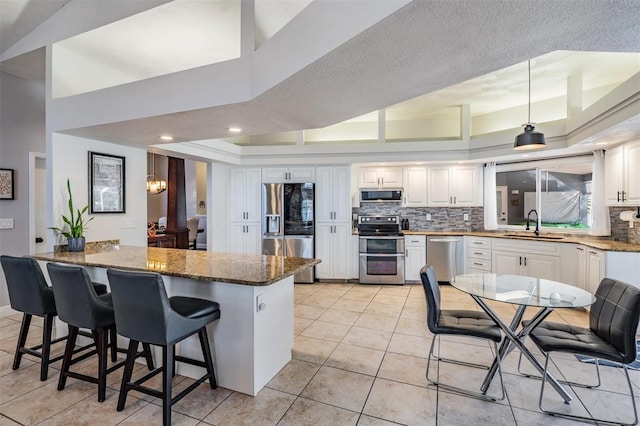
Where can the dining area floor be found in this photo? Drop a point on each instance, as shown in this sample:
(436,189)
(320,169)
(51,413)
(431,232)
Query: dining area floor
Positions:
(359,357)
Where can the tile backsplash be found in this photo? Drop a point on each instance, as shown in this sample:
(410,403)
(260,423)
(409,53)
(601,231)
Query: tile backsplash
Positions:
(452,219)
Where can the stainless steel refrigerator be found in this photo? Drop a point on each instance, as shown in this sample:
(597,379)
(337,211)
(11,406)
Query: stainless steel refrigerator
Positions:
(288,223)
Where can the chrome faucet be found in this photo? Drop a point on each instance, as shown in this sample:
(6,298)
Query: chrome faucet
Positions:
(537,231)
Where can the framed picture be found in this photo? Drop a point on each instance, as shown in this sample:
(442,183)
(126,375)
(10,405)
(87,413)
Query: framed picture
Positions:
(6,184)
(106,183)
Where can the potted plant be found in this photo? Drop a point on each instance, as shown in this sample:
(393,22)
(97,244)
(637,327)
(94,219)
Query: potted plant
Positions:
(75,224)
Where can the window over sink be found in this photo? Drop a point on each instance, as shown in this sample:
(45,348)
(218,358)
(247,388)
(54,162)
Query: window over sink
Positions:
(558,190)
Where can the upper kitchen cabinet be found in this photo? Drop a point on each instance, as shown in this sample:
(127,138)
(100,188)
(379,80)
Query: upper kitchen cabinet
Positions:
(288,174)
(386,177)
(332,194)
(454,186)
(622,175)
(245,195)
(415,187)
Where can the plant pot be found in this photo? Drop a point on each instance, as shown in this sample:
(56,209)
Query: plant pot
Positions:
(76,244)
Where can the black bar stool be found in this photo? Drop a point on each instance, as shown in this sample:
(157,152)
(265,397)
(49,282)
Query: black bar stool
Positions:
(144,313)
(80,307)
(30,294)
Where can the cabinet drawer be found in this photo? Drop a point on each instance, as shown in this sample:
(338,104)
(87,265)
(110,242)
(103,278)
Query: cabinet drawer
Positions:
(479,253)
(479,265)
(480,243)
(415,240)
(526,247)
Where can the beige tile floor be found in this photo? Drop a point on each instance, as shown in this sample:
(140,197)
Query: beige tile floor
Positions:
(359,358)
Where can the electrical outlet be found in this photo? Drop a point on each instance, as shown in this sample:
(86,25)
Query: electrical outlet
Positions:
(260,303)
(6,223)
(428,216)
(466,216)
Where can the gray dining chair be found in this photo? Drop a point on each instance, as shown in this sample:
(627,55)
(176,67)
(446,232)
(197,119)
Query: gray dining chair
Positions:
(613,321)
(472,324)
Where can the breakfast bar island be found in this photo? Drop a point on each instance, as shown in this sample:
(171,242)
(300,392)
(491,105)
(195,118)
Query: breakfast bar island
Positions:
(252,340)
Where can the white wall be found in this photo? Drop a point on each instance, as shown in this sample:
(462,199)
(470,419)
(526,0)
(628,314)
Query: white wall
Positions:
(22,129)
(69,159)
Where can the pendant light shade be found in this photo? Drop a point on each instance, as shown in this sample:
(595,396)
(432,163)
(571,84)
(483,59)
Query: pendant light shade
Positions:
(155,186)
(530,139)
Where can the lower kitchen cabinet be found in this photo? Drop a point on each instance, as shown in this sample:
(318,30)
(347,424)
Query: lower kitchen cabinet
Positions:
(245,238)
(355,257)
(532,258)
(478,255)
(415,256)
(333,249)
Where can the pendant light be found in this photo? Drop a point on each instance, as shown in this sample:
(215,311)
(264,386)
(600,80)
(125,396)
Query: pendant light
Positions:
(530,139)
(155,186)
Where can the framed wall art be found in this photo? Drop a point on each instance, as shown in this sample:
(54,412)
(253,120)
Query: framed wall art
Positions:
(6,184)
(106,183)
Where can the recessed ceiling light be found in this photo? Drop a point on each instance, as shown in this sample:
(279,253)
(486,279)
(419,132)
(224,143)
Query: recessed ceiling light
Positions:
(166,137)
(524,155)
(601,143)
(234,129)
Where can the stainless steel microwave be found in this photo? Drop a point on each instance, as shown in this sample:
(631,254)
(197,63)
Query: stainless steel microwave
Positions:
(380,195)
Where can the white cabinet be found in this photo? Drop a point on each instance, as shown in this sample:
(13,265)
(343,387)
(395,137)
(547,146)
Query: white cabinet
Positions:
(573,258)
(415,187)
(288,174)
(245,195)
(386,177)
(332,248)
(622,175)
(415,256)
(245,238)
(533,258)
(333,200)
(459,186)
(478,255)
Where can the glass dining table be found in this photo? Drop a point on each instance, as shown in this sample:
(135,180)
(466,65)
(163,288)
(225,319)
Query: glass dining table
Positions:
(522,291)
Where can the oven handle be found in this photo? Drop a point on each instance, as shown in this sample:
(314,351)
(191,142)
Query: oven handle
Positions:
(383,255)
(381,237)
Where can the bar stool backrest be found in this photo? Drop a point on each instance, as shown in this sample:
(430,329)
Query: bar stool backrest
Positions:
(142,308)
(615,314)
(432,294)
(76,299)
(28,289)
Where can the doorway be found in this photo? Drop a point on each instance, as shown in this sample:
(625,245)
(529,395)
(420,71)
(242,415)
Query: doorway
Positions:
(37,202)
(502,204)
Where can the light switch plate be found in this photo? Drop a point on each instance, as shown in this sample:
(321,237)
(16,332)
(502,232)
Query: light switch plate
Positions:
(428,216)
(466,216)
(6,223)
(128,223)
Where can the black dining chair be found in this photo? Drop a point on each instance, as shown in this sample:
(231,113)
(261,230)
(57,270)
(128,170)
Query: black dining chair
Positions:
(80,307)
(459,323)
(144,313)
(30,294)
(613,321)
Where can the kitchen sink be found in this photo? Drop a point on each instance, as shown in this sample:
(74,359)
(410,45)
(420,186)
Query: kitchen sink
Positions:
(536,237)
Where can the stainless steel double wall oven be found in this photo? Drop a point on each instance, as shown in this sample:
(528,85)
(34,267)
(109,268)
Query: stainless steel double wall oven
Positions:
(381,250)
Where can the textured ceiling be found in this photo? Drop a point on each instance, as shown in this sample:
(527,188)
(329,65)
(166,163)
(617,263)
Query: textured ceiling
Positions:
(422,48)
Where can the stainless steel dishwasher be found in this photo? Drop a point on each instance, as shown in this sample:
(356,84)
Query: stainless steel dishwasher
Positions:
(446,255)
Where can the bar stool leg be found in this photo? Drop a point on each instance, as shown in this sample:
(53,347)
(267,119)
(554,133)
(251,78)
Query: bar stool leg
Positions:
(46,346)
(126,375)
(101,336)
(206,352)
(68,353)
(147,355)
(168,352)
(113,336)
(22,340)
